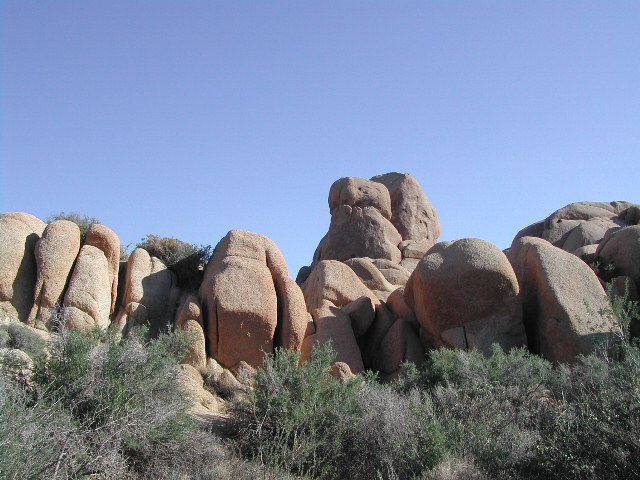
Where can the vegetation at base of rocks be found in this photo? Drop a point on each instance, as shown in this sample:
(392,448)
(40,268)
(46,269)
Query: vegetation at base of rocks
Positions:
(84,222)
(301,419)
(186,260)
(102,407)
(99,406)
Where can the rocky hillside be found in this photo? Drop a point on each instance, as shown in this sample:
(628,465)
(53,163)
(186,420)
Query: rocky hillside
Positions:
(380,287)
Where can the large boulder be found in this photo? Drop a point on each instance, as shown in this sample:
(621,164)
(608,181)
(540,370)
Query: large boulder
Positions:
(250,303)
(465,295)
(582,223)
(413,215)
(108,242)
(149,295)
(360,222)
(87,302)
(563,300)
(335,326)
(621,250)
(55,254)
(335,283)
(359,232)
(19,233)
(189,319)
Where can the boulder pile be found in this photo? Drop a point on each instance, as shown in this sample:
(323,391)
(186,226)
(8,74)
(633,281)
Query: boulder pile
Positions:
(381,287)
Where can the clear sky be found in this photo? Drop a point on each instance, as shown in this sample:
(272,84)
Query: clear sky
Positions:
(190,118)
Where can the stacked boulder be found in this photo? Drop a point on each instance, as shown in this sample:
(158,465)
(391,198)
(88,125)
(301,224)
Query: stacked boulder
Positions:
(379,230)
(250,303)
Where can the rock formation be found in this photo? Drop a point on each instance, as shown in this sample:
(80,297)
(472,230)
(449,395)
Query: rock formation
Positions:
(250,303)
(149,294)
(563,301)
(465,295)
(55,255)
(19,233)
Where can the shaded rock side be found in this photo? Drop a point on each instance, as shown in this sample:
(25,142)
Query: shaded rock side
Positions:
(107,240)
(621,250)
(55,254)
(250,304)
(562,300)
(19,233)
(413,215)
(465,295)
(189,319)
(149,294)
(87,302)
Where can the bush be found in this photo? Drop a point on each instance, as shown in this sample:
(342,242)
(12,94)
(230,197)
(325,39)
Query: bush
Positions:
(83,221)
(186,260)
(304,421)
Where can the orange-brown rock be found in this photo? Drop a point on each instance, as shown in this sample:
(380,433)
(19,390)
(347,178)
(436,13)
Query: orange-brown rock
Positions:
(413,214)
(369,274)
(248,297)
(105,239)
(87,302)
(333,325)
(342,372)
(334,282)
(19,233)
(582,223)
(400,344)
(189,319)
(562,300)
(395,273)
(359,192)
(621,249)
(465,295)
(362,313)
(55,254)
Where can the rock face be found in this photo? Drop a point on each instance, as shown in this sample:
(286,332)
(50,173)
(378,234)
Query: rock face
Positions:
(413,214)
(55,254)
(19,233)
(562,300)
(465,295)
(250,303)
(149,293)
(108,242)
(88,299)
(189,319)
(621,249)
(91,295)
(582,223)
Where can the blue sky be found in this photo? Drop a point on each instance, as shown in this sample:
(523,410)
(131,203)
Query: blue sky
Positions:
(188,119)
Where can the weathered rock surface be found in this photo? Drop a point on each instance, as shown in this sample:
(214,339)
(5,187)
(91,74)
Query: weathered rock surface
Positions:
(250,303)
(19,233)
(395,273)
(334,282)
(562,300)
(189,319)
(107,240)
(582,223)
(621,249)
(359,232)
(333,325)
(400,344)
(55,254)
(192,385)
(88,299)
(369,274)
(413,214)
(149,295)
(465,295)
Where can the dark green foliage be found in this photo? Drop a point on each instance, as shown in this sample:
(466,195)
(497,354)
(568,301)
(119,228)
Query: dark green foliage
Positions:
(83,221)
(186,260)
(302,420)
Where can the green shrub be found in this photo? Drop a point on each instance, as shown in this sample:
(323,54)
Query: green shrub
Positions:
(186,260)
(303,420)
(83,221)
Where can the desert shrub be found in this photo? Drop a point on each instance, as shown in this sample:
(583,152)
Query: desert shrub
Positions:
(186,260)
(83,221)
(594,430)
(303,420)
